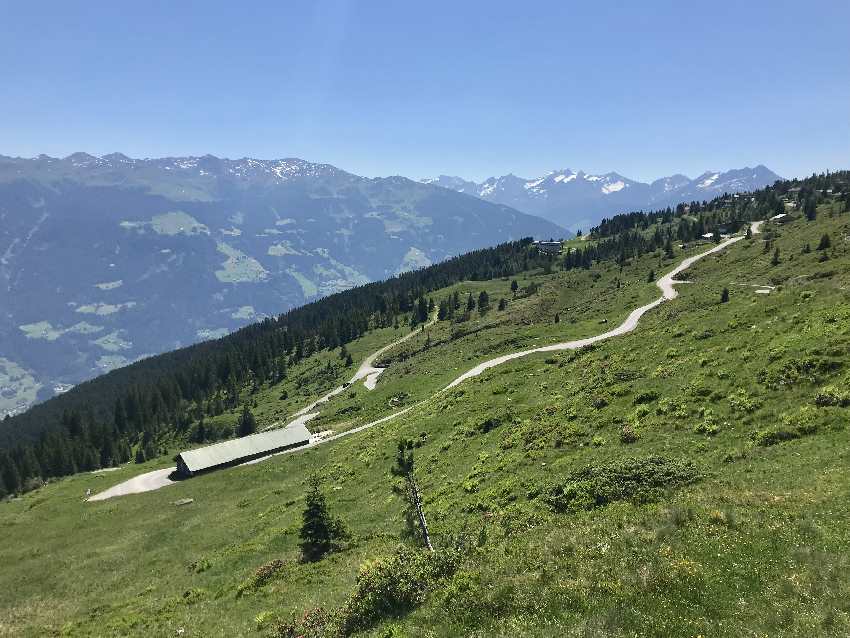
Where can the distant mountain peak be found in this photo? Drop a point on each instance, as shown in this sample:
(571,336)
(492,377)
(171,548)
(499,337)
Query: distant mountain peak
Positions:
(577,199)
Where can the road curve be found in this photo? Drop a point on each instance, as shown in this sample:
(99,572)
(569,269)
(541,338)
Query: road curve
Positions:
(366,371)
(666,284)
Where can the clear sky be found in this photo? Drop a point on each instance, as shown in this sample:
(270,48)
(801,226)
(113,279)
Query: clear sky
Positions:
(421,88)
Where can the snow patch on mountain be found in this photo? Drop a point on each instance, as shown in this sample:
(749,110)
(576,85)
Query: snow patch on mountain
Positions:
(613,187)
(708,181)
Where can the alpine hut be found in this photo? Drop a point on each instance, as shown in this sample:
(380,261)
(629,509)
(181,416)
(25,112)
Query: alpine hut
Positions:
(236,451)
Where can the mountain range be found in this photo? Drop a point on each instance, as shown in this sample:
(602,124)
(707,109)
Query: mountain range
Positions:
(106,260)
(577,200)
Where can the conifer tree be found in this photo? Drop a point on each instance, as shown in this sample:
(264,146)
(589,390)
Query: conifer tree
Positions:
(810,209)
(724,296)
(483,302)
(320,532)
(247,423)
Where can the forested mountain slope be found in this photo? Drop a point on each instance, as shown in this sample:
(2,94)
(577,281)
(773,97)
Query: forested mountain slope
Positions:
(107,260)
(646,485)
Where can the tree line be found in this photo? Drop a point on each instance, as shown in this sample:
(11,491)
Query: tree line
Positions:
(100,422)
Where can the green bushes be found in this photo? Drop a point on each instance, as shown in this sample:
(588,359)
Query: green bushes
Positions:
(792,426)
(832,396)
(628,434)
(386,587)
(640,479)
(645,397)
(772,436)
(392,586)
(740,401)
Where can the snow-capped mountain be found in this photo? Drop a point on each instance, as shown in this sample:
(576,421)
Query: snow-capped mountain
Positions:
(575,199)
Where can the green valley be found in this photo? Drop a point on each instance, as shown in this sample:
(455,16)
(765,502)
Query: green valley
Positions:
(686,478)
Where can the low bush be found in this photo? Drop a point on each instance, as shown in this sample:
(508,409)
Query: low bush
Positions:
(261,577)
(793,425)
(393,586)
(832,396)
(645,397)
(639,479)
(772,436)
(628,434)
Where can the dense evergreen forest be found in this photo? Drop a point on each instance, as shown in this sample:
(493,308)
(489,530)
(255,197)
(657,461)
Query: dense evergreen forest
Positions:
(101,422)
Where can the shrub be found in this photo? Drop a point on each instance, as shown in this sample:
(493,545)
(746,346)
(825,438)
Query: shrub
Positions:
(709,427)
(393,586)
(640,479)
(313,623)
(645,397)
(773,436)
(628,434)
(488,424)
(261,577)
(830,396)
(740,401)
(672,407)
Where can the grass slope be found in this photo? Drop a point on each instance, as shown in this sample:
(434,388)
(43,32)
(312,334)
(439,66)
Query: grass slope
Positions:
(546,460)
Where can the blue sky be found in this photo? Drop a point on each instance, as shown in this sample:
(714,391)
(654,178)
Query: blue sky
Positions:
(468,88)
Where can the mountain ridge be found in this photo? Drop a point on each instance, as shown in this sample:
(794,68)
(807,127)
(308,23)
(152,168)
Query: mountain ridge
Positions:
(576,199)
(105,260)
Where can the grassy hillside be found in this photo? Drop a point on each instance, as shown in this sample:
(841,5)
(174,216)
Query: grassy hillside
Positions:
(688,478)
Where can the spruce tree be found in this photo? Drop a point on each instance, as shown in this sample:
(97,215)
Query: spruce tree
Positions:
(724,296)
(810,209)
(247,423)
(483,302)
(320,533)
(514,287)
(825,242)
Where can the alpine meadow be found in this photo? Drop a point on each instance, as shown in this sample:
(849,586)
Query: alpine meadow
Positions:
(341,319)
(685,477)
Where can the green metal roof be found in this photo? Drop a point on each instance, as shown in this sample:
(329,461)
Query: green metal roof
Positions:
(229,451)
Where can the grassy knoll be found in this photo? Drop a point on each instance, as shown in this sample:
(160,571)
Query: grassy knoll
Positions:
(689,478)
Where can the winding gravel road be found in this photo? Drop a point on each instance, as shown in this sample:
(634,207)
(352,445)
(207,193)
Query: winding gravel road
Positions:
(668,292)
(159,478)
